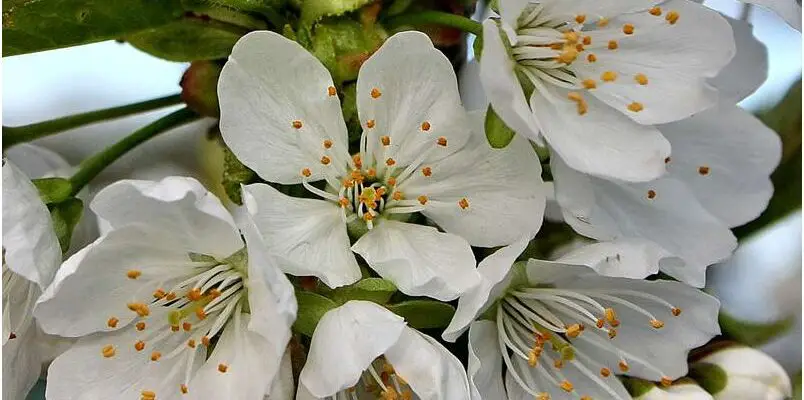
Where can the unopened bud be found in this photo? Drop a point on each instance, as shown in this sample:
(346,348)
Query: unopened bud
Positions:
(199,87)
(741,373)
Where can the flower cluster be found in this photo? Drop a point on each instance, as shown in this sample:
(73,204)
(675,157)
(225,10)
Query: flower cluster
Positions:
(379,225)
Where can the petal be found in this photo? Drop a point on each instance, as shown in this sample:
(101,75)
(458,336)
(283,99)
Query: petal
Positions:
(419,260)
(725,156)
(747,70)
(485,362)
(406,83)
(22,364)
(601,142)
(568,9)
(751,374)
(501,85)
(251,364)
(283,387)
(346,340)
(472,94)
(503,188)
(177,206)
(30,245)
(269,83)
(430,369)
(671,56)
(627,258)
(510,12)
(309,233)
(38,162)
(789,10)
(92,285)
(495,277)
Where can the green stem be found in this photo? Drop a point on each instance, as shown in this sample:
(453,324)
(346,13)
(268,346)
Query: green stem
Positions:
(20,134)
(436,18)
(91,167)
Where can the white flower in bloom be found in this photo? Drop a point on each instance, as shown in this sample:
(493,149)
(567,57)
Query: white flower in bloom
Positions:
(360,350)
(746,374)
(563,331)
(170,279)
(419,152)
(31,256)
(684,390)
(603,73)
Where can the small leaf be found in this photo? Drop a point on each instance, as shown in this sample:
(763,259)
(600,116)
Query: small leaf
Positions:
(498,133)
(377,290)
(343,45)
(751,333)
(424,314)
(65,216)
(312,307)
(313,10)
(53,190)
(711,377)
(188,39)
(235,174)
(637,387)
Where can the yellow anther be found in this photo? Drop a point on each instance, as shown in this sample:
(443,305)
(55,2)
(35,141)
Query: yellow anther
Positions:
(603,21)
(571,37)
(213,293)
(380,192)
(442,141)
(331,91)
(656,324)
(186,326)
(574,330)
(608,76)
(575,96)
(666,381)
(199,312)
(172,296)
(641,79)
(205,340)
(386,140)
(636,107)
(605,372)
(703,170)
(586,397)
(628,29)
(370,123)
(587,40)
(623,366)
(591,58)
(676,311)
(651,194)
(222,368)
(567,386)
(112,322)
(296,124)
(194,294)
(589,84)
(600,323)
(463,203)
(325,160)
(368,217)
(392,181)
(390,162)
(174,328)
(327,144)
(306,172)
(580,18)
(159,294)
(140,326)
(108,351)
(613,45)
(672,17)
(147,395)
(183,387)
(191,343)
(375,93)
(655,11)
(610,314)
(579,47)
(422,199)
(133,274)
(427,171)
(344,202)
(155,356)
(139,346)
(425,126)
(397,195)
(533,359)
(140,308)
(612,333)
(568,55)
(543,396)
(558,363)
(371,173)
(359,164)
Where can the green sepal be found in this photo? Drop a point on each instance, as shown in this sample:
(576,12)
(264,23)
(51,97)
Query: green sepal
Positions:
(424,314)
(314,10)
(397,7)
(312,307)
(188,39)
(377,290)
(637,387)
(343,45)
(65,216)
(498,133)
(234,175)
(710,377)
(53,190)
(751,333)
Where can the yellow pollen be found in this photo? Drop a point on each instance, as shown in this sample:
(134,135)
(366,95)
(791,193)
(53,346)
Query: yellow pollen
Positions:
(641,79)
(574,96)
(566,386)
(140,345)
(112,322)
(222,368)
(306,172)
(155,356)
(187,326)
(205,340)
(568,56)
(427,171)
(666,381)
(425,126)
(140,308)
(613,45)
(397,196)
(199,312)
(656,324)
(587,40)
(579,47)
(591,58)
(191,343)
(605,372)
(655,11)
(600,323)
(533,359)
(368,217)
(327,143)
(213,293)
(133,274)
(371,172)
(194,294)
(170,296)
(174,328)
(612,333)
(359,164)
(442,141)
(628,29)
(344,202)
(147,395)
(183,387)
(108,351)
(589,84)
(140,326)
(159,293)
(392,181)
(623,366)
(574,330)
(603,21)
(422,199)
(331,91)
(608,76)
(651,194)
(703,170)
(386,140)
(370,123)
(463,203)
(580,18)
(610,315)
(636,107)
(296,124)
(676,311)
(390,162)
(672,17)
(558,363)
(375,93)
(325,160)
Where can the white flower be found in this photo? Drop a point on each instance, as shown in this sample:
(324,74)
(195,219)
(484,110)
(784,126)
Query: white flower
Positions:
(171,278)
(563,331)
(360,350)
(603,74)
(684,390)
(419,152)
(790,10)
(31,256)
(742,373)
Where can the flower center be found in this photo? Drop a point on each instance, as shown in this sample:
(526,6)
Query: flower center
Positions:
(383,385)
(544,330)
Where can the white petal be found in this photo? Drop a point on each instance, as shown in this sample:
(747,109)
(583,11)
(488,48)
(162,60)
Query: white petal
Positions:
(738,153)
(30,245)
(485,362)
(38,162)
(472,94)
(747,70)
(495,277)
(431,370)
(178,206)
(92,285)
(683,391)
(503,188)
(790,10)
(283,386)
(268,83)
(501,85)
(568,9)
(751,373)
(309,233)
(419,260)
(22,364)
(346,340)
(415,83)
(627,258)
(251,364)
(603,141)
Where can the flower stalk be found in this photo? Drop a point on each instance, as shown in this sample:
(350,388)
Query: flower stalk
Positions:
(437,18)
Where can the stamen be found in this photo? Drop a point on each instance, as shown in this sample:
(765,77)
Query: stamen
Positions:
(613,45)
(703,170)
(442,141)
(587,40)
(140,326)
(327,143)
(675,311)
(667,160)
(591,58)
(305,173)
(672,17)
(602,22)
(147,395)
(666,381)
(657,324)
(636,107)
(385,140)
(655,11)
(108,351)
(605,372)
(642,79)
(623,366)
(183,387)
(139,346)
(589,84)
(325,160)
(159,294)
(463,203)
(422,199)
(140,308)
(390,162)
(427,171)
(651,194)
(375,93)
(425,126)
(332,92)
(222,368)
(608,76)
(133,274)
(296,124)
(567,386)
(628,29)
(191,343)
(580,18)
(112,322)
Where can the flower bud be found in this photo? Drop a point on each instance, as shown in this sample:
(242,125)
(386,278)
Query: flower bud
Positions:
(199,87)
(740,372)
(685,390)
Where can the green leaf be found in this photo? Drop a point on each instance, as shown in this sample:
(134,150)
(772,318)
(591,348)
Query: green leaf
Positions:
(313,10)
(312,307)
(235,174)
(343,46)
(377,290)
(30,26)
(711,377)
(797,386)
(424,314)
(53,190)
(188,39)
(65,216)
(498,133)
(751,333)
(257,6)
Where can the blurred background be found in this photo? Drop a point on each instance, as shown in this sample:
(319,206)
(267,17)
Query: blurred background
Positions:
(761,283)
